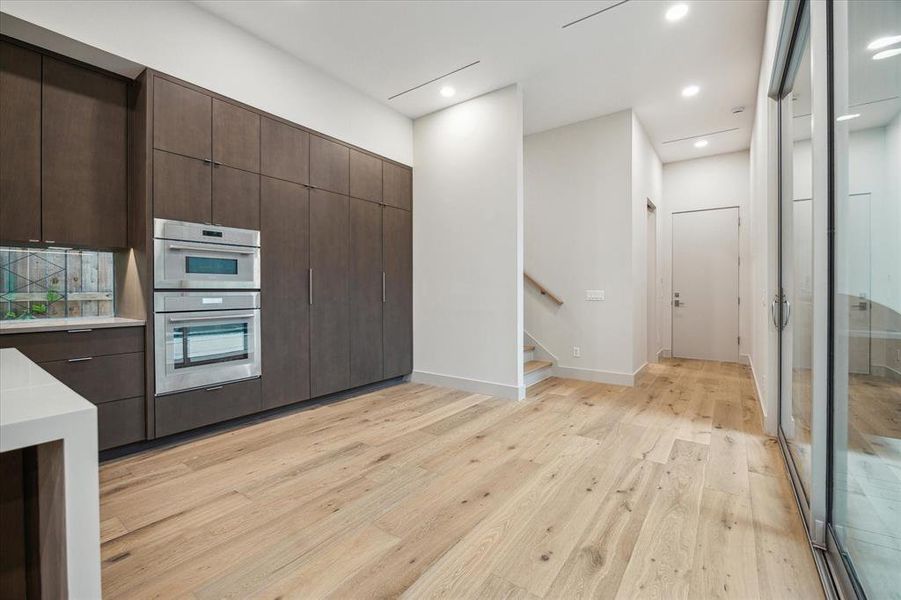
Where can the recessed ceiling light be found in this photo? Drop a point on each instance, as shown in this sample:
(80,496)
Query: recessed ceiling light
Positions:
(701,144)
(447,91)
(887,53)
(689,91)
(676,12)
(847,117)
(883,42)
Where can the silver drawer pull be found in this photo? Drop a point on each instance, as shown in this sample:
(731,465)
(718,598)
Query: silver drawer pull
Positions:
(84,358)
(212,250)
(214,388)
(79,330)
(215,318)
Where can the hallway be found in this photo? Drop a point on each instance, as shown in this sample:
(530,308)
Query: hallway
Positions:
(665,490)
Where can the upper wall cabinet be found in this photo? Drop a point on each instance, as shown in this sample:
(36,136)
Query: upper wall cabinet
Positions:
(398,186)
(365,176)
(182,120)
(285,151)
(20,144)
(329,165)
(84,137)
(236,137)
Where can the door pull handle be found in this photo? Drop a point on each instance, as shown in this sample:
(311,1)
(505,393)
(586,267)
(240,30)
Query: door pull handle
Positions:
(82,359)
(310,285)
(384,289)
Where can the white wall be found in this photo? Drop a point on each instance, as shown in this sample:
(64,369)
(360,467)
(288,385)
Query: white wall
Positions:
(467,245)
(178,38)
(577,237)
(647,184)
(716,181)
(764,218)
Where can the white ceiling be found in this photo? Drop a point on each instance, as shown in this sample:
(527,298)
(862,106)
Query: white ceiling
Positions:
(627,56)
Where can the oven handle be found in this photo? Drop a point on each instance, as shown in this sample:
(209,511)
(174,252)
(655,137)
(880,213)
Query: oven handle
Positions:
(213,250)
(220,317)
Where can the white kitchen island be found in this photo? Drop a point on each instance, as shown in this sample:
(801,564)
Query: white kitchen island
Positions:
(38,411)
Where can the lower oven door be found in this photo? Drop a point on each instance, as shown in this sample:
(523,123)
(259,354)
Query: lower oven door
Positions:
(204,348)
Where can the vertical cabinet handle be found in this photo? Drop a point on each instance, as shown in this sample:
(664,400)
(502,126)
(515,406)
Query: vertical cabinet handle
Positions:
(384,295)
(310,284)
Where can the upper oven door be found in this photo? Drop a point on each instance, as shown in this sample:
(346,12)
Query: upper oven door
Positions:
(187,265)
(203,348)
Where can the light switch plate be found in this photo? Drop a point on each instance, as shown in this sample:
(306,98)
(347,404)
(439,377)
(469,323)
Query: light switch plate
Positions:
(595,295)
(577,352)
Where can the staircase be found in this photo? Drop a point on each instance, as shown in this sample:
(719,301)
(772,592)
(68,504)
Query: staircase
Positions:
(534,370)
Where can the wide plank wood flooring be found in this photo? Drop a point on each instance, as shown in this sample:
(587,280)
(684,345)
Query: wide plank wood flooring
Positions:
(665,490)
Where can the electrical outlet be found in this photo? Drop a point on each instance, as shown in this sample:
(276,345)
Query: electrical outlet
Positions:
(577,352)
(595,295)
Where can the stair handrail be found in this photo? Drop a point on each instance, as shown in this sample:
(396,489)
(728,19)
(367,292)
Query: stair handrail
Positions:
(544,291)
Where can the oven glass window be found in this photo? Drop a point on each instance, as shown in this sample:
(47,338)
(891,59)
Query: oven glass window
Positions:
(196,345)
(211,266)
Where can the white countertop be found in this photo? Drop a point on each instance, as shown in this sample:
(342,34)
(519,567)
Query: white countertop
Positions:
(36,408)
(64,324)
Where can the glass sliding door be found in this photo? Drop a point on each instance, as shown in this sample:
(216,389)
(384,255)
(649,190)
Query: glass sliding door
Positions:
(865,481)
(796,270)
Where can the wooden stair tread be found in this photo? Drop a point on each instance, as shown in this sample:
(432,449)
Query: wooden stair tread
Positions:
(528,348)
(535,365)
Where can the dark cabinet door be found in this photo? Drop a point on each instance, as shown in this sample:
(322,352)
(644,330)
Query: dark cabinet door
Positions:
(182,120)
(285,151)
(365,292)
(285,227)
(20,144)
(182,188)
(236,198)
(330,310)
(329,165)
(236,136)
(84,154)
(397,228)
(365,176)
(398,186)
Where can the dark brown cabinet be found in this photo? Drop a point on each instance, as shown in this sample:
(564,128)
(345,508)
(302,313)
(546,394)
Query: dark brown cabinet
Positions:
(329,311)
(366,292)
(398,186)
(105,366)
(182,188)
(365,176)
(236,198)
(329,165)
(397,256)
(285,227)
(20,144)
(196,408)
(284,151)
(83,144)
(236,136)
(182,120)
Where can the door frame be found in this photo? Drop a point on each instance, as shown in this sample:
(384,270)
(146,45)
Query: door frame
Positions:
(672,333)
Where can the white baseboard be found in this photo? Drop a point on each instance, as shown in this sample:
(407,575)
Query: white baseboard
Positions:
(475,386)
(610,377)
(744,359)
(760,400)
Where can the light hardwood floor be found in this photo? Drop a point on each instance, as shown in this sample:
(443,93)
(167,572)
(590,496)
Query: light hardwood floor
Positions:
(665,490)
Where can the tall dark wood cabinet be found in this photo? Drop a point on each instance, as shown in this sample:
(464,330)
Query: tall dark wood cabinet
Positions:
(285,227)
(20,144)
(330,307)
(63,152)
(83,145)
(397,255)
(182,120)
(366,292)
(398,186)
(329,165)
(284,151)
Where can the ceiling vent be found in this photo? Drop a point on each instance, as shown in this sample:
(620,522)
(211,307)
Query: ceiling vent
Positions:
(596,13)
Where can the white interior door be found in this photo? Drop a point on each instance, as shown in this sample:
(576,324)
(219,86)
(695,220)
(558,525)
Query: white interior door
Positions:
(705,284)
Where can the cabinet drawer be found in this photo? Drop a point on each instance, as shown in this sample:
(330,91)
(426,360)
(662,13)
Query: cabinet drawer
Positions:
(120,422)
(75,343)
(188,410)
(101,378)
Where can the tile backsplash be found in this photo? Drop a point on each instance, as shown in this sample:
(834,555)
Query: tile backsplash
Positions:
(40,283)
